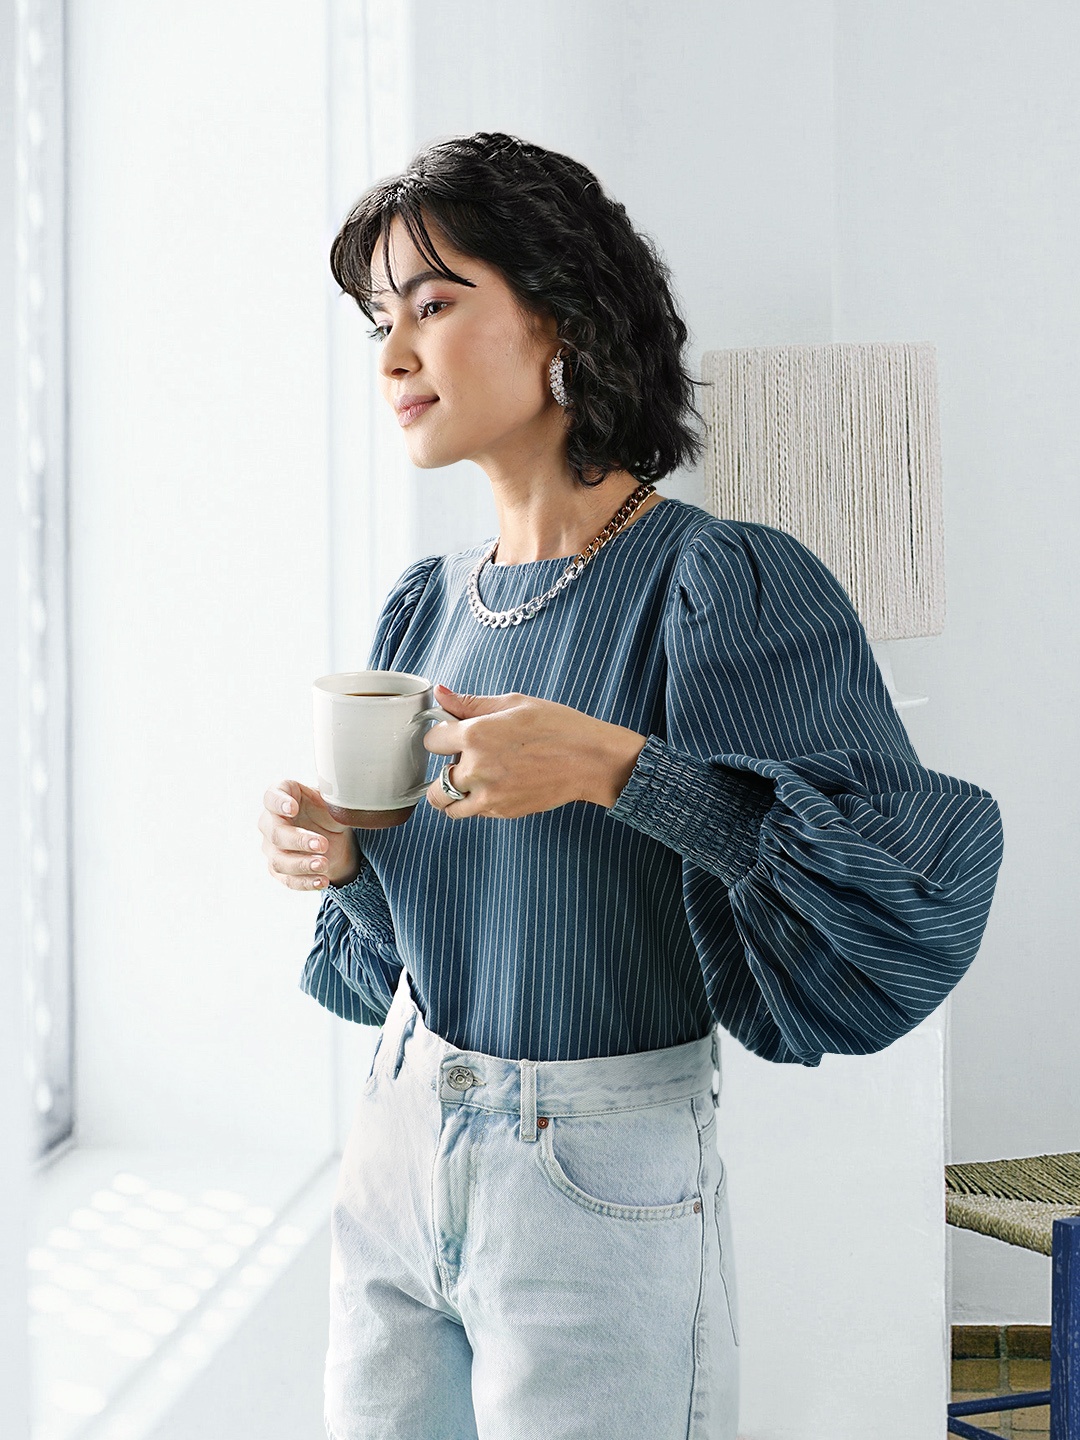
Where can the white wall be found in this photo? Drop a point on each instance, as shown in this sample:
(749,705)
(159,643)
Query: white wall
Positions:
(959,201)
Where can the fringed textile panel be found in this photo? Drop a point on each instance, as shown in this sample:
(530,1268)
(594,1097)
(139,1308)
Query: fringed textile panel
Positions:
(839,446)
(1014,1200)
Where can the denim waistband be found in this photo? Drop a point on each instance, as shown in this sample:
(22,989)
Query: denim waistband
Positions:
(537,1088)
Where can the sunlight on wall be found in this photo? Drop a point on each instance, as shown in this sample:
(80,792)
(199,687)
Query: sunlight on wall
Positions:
(142,1274)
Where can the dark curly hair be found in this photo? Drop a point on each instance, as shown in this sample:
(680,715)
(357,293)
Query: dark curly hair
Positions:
(565,249)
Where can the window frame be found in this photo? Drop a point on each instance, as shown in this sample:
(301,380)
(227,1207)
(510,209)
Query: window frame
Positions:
(43,631)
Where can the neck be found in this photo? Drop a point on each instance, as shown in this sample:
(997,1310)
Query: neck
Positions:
(537,527)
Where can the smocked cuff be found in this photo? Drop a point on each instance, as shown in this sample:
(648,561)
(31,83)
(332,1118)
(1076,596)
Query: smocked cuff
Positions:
(363,901)
(708,812)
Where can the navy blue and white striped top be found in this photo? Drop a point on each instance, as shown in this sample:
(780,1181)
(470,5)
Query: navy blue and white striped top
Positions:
(779,862)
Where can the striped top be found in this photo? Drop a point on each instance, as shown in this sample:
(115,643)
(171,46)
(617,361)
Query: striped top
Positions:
(778,863)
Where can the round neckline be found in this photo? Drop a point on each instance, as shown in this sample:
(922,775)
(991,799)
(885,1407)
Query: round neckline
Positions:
(524,566)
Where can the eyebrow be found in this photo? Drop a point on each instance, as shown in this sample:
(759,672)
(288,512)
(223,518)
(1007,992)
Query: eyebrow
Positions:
(414,281)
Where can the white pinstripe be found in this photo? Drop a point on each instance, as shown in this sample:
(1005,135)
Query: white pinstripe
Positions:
(779,862)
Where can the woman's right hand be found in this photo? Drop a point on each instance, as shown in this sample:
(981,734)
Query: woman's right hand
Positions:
(304,845)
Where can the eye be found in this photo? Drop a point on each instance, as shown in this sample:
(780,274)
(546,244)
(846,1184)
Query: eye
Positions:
(379,333)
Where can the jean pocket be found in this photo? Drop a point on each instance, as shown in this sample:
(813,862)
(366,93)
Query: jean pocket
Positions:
(626,1164)
(722,1214)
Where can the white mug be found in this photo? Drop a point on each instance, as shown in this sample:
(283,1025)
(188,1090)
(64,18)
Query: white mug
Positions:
(370,758)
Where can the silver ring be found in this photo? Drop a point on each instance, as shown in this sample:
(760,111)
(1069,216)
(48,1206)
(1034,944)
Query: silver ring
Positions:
(448,789)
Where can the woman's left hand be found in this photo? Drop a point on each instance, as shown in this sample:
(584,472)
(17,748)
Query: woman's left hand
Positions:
(521,755)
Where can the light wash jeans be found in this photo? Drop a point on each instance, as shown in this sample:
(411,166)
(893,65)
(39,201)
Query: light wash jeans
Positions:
(531,1250)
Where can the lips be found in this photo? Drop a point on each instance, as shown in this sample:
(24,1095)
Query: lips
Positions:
(410,412)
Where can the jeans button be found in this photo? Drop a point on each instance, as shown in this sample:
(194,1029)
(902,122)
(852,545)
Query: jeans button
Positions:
(461,1077)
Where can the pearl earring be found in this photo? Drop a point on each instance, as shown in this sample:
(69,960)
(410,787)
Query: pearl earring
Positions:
(555,375)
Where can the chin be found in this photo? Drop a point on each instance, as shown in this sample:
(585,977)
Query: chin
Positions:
(427,458)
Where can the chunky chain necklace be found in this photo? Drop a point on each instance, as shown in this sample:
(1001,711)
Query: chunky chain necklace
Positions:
(526,611)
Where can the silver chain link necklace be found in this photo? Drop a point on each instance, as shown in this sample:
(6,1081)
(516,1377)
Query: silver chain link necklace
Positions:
(526,610)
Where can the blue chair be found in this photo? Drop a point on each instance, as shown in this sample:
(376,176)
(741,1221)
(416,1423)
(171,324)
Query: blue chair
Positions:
(1033,1202)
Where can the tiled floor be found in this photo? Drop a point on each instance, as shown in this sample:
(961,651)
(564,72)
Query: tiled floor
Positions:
(998,1360)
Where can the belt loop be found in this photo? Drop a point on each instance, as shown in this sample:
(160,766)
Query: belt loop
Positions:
(716,1068)
(406,1031)
(528,1099)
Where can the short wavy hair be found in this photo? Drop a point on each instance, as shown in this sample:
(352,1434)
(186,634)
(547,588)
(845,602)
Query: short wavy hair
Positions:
(566,249)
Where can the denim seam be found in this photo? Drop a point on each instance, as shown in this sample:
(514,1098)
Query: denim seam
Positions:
(403,1038)
(723,1257)
(704,1247)
(445,1283)
(469,1198)
(375,1054)
(581,1114)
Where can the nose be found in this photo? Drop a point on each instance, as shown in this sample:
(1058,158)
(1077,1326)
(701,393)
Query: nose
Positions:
(396,358)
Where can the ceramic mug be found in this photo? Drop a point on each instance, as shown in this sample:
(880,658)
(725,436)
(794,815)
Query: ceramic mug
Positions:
(370,758)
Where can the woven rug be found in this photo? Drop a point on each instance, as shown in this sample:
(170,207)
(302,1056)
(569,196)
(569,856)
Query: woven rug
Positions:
(1014,1200)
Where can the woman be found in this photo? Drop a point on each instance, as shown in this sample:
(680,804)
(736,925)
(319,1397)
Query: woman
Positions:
(675,795)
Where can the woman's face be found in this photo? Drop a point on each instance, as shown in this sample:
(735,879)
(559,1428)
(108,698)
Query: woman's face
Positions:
(473,349)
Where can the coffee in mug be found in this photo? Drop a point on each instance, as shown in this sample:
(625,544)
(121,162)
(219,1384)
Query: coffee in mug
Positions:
(370,758)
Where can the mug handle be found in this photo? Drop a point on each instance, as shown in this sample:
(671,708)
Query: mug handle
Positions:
(435,713)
